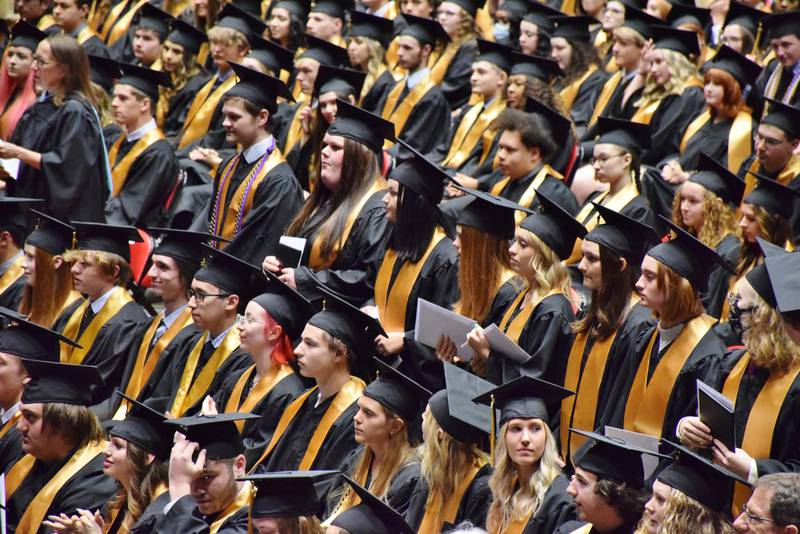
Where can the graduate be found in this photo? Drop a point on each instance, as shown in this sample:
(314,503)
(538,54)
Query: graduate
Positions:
(451,66)
(371,515)
(327,20)
(13,230)
(72,16)
(144,48)
(286,23)
(366,47)
(63,442)
(536,28)
(739,31)
(116,24)
(18,90)
(778,82)
(287,501)
(270,58)
(144,170)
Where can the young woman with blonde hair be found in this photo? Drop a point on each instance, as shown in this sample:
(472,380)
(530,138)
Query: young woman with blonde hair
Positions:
(366,47)
(451,65)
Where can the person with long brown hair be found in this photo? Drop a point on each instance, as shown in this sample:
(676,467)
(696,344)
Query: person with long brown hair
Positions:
(17,86)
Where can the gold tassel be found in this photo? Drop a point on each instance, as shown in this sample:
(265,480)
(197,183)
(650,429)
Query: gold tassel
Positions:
(74,240)
(253,490)
(492,436)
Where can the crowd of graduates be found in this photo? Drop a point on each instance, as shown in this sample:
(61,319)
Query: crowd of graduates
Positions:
(225,227)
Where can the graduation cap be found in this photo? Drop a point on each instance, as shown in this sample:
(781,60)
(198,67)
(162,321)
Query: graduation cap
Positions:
(719,180)
(145,80)
(106,238)
(27,35)
(217,434)
(371,26)
(611,458)
(574,28)
(539,67)
(421,175)
(184,246)
(555,226)
(289,308)
(782,24)
(454,409)
(271,55)
(343,82)
(525,397)
(687,256)
(708,483)
(287,493)
(371,516)
(146,427)
(251,7)
(50,234)
(324,52)
(624,236)
(362,126)
(737,65)
(397,392)
(758,277)
(681,41)
(560,126)
(299,9)
(542,15)
(104,71)
(237,19)
(783,116)
(498,55)
(14,212)
(784,276)
(688,14)
(59,383)
(773,196)
(228,273)
(640,22)
(470,6)
(29,340)
(426,31)
(152,18)
(745,16)
(184,34)
(333,8)
(260,89)
(632,136)
(488,213)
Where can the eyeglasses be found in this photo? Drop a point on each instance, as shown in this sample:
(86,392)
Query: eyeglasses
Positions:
(603,159)
(751,518)
(199,296)
(243,320)
(42,63)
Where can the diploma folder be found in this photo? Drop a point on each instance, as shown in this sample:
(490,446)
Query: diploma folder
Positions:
(715,410)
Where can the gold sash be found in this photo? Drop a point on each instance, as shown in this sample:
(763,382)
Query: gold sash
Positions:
(647,402)
(198,119)
(472,127)
(116,24)
(119,170)
(14,271)
(295,127)
(763,416)
(739,137)
(605,96)
(438,512)
(69,354)
(392,303)
(85,34)
(346,396)
(190,392)
(569,93)
(527,197)
(37,508)
(645,114)
(439,62)
(398,113)
(513,328)
(787,174)
(258,392)
(10,423)
(518,526)
(242,500)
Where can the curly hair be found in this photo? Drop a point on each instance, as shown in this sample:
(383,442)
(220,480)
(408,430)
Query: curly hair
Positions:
(684,514)
(468,28)
(583,56)
(147,480)
(767,340)
(544,93)
(682,300)
(773,228)
(627,500)
(719,219)
(732,101)
(550,273)
(681,71)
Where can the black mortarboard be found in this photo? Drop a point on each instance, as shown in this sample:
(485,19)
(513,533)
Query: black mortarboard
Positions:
(611,459)
(27,35)
(29,340)
(50,234)
(324,52)
(632,136)
(421,175)
(397,392)
(106,238)
(542,15)
(783,116)
(360,125)
(560,126)
(287,493)
(371,26)
(574,28)
(14,212)
(737,65)
(525,397)
(59,383)
(687,256)
(496,54)
(228,273)
(488,213)
(299,9)
(217,434)
(426,31)
(624,236)
(514,8)
(640,22)
(146,427)
(470,6)
(343,82)
(259,89)
(758,277)
(145,80)
(681,41)
(237,19)
(554,226)
(289,308)
(719,180)
(782,24)
(688,14)
(333,8)
(182,245)
(541,68)
(152,18)
(707,483)
(454,409)
(271,55)
(773,196)
(104,71)
(184,34)
(784,276)
(371,516)
(745,16)
(251,7)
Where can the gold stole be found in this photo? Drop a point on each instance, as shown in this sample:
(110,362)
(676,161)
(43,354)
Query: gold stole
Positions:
(475,122)
(45,22)
(605,96)
(242,500)
(117,24)
(647,402)
(439,61)
(645,114)
(14,271)
(392,303)
(176,8)
(315,259)
(346,396)
(258,392)
(10,423)
(146,361)
(516,527)
(513,329)
(119,170)
(527,197)
(438,512)
(295,132)
(37,508)
(190,392)
(398,113)
(739,137)
(69,354)
(789,171)
(569,93)
(763,416)
(198,119)
(85,34)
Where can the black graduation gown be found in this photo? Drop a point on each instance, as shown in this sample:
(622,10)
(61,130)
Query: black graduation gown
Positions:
(719,279)
(572,526)
(586,99)
(471,166)
(428,124)
(711,139)
(553,188)
(183,517)
(122,49)
(72,177)
(615,109)
(165,378)
(12,296)
(377,93)
(669,123)
(180,102)
(756,98)
(456,85)
(473,507)
(256,433)
(63,318)
(151,515)
(10,449)
(557,508)
(89,489)
(151,177)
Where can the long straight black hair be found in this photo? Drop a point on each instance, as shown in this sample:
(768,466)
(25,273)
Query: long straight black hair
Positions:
(417,218)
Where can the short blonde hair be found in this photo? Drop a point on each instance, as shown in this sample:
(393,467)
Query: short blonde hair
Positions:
(228,36)
(107,262)
(550,273)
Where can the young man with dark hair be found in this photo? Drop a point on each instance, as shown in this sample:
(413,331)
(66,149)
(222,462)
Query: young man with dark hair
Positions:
(36,13)
(72,16)
(327,20)
(779,81)
(141,41)
(13,231)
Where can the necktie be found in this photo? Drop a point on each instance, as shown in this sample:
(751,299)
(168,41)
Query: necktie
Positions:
(87,318)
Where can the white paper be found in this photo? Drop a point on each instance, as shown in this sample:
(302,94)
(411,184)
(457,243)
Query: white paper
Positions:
(505,345)
(11,166)
(643,441)
(433,322)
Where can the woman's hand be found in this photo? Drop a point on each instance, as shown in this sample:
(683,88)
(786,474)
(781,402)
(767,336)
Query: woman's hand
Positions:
(479,344)
(209,406)
(390,345)
(692,432)
(287,277)
(446,349)
(85,522)
(9,150)
(644,65)
(673,173)
(272,265)
(738,461)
